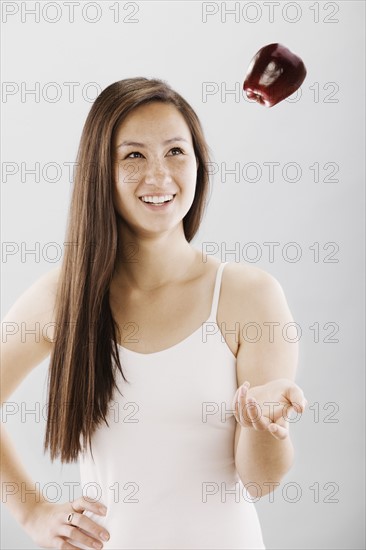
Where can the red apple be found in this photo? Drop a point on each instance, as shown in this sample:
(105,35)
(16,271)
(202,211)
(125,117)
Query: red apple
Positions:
(274,73)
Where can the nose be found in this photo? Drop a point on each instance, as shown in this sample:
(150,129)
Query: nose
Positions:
(156,173)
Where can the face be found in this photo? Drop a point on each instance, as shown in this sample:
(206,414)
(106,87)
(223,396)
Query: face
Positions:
(154,161)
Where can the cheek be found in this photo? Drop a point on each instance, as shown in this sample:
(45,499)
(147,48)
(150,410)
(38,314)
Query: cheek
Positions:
(120,188)
(186,172)
(127,175)
(118,178)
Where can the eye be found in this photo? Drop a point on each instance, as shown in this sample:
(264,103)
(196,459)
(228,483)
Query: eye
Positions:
(177,149)
(137,153)
(133,153)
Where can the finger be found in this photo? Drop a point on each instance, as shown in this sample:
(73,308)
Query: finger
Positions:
(280,428)
(278,432)
(65,544)
(86,503)
(92,527)
(259,421)
(87,526)
(239,404)
(254,415)
(243,390)
(77,535)
(235,404)
(242,404)
(296,396)
(289,413)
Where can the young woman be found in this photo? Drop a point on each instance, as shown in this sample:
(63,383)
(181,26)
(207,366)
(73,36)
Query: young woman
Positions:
(180,421)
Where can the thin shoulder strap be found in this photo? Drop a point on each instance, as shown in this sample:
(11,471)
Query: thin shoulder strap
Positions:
(216,294)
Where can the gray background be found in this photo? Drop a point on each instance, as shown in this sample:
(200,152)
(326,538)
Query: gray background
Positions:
(322,124)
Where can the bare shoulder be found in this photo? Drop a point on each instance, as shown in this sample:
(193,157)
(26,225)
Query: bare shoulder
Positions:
(254,298)
(38,298)
(27,330)
(252,285)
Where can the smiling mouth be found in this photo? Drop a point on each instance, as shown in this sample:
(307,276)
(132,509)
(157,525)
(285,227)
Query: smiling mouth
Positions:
(158,203)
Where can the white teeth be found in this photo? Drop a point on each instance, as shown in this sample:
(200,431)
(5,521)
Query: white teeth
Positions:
(155,199)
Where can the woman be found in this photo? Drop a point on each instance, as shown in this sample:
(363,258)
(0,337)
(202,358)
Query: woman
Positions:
(179,419)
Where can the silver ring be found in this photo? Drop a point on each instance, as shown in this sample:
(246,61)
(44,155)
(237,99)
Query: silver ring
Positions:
(69,517)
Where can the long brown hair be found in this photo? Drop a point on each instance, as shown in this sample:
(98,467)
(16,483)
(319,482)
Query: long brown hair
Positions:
(81,376)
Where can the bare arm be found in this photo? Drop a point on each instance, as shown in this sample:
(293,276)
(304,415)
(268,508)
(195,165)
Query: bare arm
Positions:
(260,458)
(42,520)
(20,353)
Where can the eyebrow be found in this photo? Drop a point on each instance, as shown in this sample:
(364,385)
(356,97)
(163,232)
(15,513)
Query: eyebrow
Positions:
(138,144)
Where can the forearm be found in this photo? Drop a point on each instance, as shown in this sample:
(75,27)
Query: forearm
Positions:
(18,492)
(261,458)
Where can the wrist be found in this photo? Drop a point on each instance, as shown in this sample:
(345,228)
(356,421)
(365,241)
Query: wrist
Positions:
(28,511)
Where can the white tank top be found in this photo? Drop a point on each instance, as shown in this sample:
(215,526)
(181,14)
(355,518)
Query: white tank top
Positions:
(165,465)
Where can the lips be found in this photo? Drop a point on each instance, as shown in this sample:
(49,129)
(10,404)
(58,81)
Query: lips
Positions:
(159,196)
(158,205)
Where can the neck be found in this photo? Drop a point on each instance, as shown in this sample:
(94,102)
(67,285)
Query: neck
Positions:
(150,262)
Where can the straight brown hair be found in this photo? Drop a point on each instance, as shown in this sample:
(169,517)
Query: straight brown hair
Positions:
(82,377)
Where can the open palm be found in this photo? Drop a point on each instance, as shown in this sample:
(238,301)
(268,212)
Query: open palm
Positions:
(267,407)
